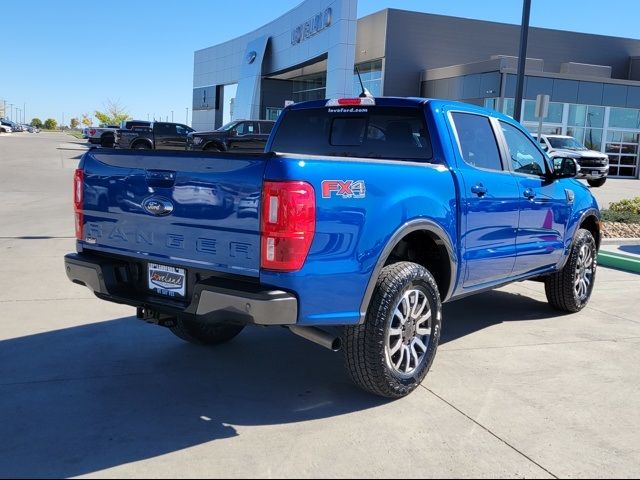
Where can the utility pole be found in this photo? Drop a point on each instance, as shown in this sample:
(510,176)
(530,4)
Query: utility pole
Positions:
(522,59)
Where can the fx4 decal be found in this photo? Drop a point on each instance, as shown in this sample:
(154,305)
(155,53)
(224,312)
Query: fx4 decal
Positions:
(343,188)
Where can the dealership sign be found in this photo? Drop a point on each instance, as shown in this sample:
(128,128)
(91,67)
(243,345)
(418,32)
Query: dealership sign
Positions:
(311,27)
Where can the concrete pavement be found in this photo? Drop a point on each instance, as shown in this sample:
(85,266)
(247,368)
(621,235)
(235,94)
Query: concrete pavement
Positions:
(516,390)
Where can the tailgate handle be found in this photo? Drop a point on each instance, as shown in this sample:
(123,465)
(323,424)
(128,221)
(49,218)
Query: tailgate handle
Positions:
(160,178)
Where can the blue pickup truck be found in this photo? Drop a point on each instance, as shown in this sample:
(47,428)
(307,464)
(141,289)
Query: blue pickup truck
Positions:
(360,219)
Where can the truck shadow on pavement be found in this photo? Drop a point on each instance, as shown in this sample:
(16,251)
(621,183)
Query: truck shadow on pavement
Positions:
(97,396)
(101,395)
(471,314)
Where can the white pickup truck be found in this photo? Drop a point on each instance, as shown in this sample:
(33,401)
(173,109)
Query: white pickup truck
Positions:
(594,165)
(105,136)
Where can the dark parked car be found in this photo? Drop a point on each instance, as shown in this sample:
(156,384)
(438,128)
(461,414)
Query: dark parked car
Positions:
(238,136)
(157,136)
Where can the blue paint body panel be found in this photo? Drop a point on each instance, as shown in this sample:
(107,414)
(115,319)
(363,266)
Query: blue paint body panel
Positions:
(215,223)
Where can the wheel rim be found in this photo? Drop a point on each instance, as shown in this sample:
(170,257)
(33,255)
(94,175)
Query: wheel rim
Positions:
(408,335)
(585,269)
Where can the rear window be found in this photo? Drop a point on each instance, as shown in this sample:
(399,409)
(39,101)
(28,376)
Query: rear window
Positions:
(372,132)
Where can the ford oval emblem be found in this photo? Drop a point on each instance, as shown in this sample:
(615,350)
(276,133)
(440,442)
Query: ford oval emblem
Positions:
(158,206)
(251,57)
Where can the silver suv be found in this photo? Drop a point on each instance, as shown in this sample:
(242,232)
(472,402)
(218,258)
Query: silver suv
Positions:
(594,166)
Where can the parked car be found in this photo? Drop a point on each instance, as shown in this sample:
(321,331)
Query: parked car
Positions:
(158,136)
(104,136)
(373,212)
(5,128)
(594,166)
(9,125)
(237,136)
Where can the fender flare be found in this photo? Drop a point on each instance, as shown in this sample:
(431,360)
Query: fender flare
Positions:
(590,212)
(406,229)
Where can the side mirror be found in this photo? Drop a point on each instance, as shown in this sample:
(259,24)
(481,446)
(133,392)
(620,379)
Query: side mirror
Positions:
(564,167)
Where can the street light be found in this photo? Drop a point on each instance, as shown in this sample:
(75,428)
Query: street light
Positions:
(522,59)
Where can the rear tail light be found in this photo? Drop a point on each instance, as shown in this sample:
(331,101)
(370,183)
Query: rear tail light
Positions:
(288,224)
(78,198)
(92,132)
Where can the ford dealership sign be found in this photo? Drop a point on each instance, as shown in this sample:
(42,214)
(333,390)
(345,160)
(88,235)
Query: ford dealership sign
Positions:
(312,27)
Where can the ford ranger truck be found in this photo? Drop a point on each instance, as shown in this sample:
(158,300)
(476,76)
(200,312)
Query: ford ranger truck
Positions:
(363,216)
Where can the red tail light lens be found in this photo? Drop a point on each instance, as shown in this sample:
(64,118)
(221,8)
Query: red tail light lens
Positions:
(78,198)
(288,224)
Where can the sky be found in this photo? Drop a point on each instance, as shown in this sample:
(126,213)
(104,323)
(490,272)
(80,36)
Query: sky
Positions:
(63,59)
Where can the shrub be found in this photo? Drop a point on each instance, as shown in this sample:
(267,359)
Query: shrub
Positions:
(626,206)
(621,217)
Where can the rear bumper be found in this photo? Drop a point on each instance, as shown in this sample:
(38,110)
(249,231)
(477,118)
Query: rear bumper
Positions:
(210,300)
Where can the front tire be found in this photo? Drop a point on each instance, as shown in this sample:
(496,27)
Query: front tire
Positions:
(200,333)
(390,354)
(596,182)
(569,290)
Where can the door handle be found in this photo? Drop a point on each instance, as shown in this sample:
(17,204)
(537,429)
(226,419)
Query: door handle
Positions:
(529,193)
(479,190)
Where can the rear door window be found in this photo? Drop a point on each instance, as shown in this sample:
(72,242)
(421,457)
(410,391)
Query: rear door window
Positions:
(266,127)
(478,145)
(373,132)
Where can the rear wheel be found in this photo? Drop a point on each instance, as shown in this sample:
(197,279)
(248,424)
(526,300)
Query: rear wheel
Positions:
(107,141)
(212,148)
(596,182)
(200,333)
(391,353)
(570,289)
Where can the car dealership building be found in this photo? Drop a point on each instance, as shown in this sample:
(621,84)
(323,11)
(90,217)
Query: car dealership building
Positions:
(312,51)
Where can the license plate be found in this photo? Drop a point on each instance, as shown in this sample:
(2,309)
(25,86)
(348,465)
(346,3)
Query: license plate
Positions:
(595,172)
(169,281)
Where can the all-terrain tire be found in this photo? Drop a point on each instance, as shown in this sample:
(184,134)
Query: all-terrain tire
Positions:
(200,333)
(365,346)
(563,287)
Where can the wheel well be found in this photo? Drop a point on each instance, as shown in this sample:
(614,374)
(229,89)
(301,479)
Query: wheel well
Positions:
(138,142)
(213,145)
(427,249)
(592,224)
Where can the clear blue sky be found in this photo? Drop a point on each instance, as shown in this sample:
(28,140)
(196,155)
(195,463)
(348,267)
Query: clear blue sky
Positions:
(70,57)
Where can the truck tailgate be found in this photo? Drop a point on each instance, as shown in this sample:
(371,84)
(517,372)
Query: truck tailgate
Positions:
(193,210)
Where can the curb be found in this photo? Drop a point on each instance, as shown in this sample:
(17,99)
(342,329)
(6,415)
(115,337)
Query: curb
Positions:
(620,241)
(619,261)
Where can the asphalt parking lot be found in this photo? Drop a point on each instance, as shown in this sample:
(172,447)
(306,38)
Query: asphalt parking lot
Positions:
(516,390)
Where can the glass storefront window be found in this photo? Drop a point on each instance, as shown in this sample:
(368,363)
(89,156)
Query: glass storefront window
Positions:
(593,139)
(554,116)
(577,115)
(624,118)
(310,87)
(595,117)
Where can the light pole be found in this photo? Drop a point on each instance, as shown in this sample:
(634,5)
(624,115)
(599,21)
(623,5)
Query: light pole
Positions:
(186,121)
(11,110)
(522,59)
(171,116)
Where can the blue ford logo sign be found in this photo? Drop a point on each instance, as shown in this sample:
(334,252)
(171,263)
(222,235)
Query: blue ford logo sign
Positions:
(251,57)
(158,206)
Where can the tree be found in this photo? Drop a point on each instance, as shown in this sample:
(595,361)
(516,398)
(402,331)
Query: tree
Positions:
(115,114)
(36,122)
(74,122)
(50,124)
(86,121)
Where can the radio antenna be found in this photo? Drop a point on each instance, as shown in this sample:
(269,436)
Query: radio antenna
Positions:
(365,93)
